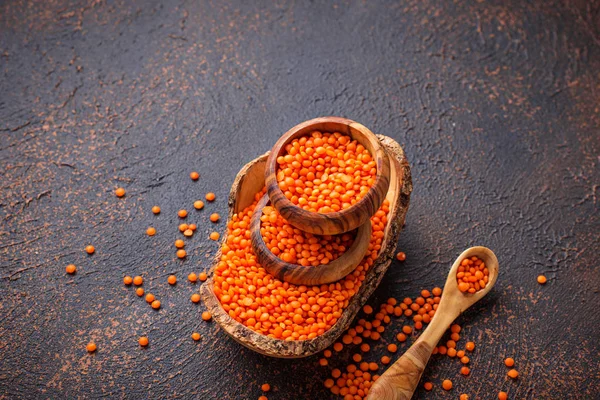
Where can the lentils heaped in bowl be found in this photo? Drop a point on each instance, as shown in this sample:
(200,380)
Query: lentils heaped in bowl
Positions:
(325,172)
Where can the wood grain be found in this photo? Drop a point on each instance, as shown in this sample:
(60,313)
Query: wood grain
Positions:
(334,222)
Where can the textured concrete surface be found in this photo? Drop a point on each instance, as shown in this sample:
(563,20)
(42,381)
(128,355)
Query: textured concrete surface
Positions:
(497,105)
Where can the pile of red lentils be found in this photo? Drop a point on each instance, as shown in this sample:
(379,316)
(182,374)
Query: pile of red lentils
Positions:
(325,172)
(278,309)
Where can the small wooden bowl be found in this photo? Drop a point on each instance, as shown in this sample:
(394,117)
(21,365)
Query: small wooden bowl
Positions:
(339,221)
(310,276)
(247,183)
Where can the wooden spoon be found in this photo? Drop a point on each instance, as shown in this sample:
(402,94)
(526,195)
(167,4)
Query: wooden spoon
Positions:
(301,275)
(401,379)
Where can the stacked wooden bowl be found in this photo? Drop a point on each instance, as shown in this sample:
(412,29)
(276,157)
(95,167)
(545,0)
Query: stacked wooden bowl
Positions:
(392,182)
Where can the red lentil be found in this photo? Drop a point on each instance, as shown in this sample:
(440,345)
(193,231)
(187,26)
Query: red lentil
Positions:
(120,192)
(71,269)
(447,384)
(198,204)
(194,175)
(156,210)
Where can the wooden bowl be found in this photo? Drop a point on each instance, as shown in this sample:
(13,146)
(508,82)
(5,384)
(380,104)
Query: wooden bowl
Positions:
(339,221)
(298,274)
(249,181)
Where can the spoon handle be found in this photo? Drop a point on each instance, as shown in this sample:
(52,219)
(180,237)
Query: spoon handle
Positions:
(401,379)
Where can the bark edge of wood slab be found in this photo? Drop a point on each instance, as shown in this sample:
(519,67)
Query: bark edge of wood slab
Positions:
(340,221)
(247,183)
(401,379)
(310,276)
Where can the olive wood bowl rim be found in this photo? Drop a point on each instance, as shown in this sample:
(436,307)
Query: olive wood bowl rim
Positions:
(294,214)
(301,275)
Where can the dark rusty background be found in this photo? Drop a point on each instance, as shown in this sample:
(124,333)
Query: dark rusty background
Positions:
(497,105)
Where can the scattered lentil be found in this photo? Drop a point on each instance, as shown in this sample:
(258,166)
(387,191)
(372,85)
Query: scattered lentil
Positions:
(120,192)
(156,210)
(90,249)
(401,256)
(182,213)
(71,269)
(91,347)
(210,196)
(128,280)
(151,231)
(447,384)
(194,175)
(138,280)
(143,341)
(172,279)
